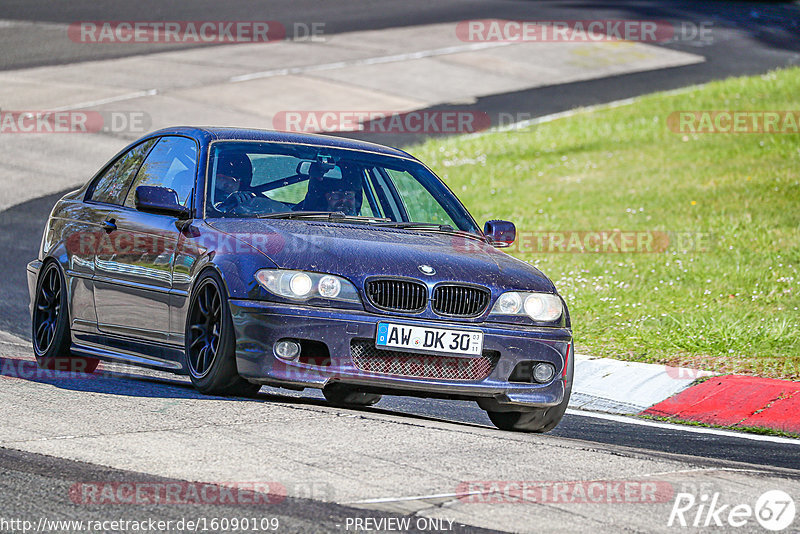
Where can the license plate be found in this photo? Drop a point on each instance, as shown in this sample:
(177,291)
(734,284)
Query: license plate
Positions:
(423,339)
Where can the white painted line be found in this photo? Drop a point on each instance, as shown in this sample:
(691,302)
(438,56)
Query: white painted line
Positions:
(7,338)
(7,23)
(577,111)
(701,470)
(478,492)
(684,428)
(13,344)
(368,61)
(109,100)
(412,498)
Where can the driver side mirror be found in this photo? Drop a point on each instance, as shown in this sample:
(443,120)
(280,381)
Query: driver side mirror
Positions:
(501,234)
(160,200)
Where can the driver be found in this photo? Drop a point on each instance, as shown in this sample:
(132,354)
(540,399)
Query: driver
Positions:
(233,172)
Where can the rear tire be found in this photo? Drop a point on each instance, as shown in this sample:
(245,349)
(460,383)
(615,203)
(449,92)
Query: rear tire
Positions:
(346,396)
(211,342)
(50,325)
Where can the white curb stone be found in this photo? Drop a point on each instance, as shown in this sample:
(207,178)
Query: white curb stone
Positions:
(614,386)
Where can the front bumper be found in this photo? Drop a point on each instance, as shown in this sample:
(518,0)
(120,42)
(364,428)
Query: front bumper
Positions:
(259,325)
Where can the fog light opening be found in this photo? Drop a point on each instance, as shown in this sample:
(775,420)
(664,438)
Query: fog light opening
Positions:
(287,349)
(543,372)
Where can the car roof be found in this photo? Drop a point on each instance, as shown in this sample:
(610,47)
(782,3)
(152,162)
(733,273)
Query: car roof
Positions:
(209,134)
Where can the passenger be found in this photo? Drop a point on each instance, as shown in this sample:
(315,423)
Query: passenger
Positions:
(341,197)
(332,194)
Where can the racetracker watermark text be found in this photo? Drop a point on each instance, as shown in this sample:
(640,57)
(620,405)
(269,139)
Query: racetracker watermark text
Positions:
(177,493)
(565,492)
(599,242)
(64,369)
(734,121)
(73,122)
(550,31)
(176,32)
(131,244)
(382,121)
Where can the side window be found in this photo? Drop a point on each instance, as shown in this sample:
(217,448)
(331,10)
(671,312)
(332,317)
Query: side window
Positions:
(173,164)
(420,204)
(112,186)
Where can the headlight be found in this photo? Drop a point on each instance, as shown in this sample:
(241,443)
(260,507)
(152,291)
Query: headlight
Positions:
(541,307)
(300,285)
(303,286)
(509,303)
(329,287)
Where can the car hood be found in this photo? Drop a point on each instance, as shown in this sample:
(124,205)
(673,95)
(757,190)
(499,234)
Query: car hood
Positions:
(358,251)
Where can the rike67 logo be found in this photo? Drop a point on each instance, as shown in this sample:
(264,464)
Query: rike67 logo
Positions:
(774,510)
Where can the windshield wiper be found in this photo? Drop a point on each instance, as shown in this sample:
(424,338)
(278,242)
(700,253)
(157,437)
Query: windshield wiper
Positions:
(323,215)
(431,227)
(408,224)
(372,221)
(301,215)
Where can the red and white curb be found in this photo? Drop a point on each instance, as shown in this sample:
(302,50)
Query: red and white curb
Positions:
(632,388)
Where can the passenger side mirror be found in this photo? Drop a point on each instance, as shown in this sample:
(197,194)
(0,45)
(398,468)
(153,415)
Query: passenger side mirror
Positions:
(160,200)
(501,234)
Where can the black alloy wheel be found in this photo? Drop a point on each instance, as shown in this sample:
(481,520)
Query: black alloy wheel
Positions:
(50,322)
(211,343)
(204,331)
(47,312)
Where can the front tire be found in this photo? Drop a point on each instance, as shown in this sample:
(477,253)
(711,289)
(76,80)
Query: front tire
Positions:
(211,342)
(540,420)
(50,325)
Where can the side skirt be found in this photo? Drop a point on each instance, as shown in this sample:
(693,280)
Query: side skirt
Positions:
(110,348)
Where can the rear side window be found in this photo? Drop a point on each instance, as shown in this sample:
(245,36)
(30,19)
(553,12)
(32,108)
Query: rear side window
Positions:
(172,164)
(112,186)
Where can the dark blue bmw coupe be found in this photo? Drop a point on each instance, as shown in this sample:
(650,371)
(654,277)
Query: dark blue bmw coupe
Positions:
(248,257)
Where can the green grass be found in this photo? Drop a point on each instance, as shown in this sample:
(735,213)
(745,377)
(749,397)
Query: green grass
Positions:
(730,307)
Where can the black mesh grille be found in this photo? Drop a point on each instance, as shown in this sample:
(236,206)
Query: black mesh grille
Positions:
(371,359)
(397,295)
(460,301)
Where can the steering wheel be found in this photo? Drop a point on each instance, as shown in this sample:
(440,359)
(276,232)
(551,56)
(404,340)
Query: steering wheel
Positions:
(234,202)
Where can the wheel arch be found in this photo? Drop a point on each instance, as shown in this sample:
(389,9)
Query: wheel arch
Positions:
(201,273)
(62,262)
(237,271)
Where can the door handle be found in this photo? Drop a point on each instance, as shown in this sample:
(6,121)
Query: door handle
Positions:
(109,225)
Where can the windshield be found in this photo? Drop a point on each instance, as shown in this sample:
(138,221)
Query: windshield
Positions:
(258,179)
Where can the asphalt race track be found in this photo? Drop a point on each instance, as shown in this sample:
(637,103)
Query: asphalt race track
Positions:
(772,25)
(404,457)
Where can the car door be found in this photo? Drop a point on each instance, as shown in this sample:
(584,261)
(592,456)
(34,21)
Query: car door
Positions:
(89,229)
(133,276)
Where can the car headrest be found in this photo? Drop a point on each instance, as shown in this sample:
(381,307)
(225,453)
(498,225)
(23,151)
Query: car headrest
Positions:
(237,165)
